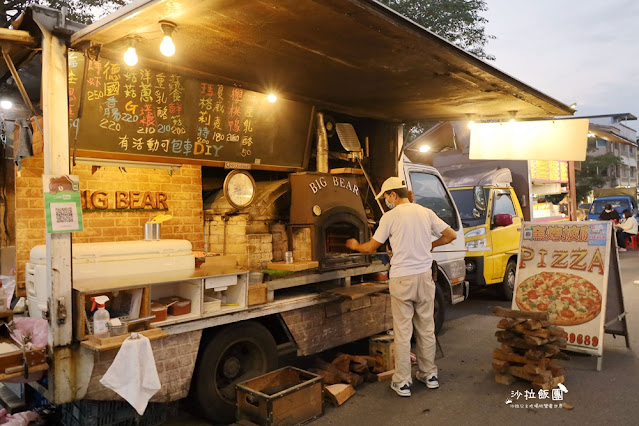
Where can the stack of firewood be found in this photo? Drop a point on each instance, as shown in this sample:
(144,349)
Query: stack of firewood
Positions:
(346,372)
(530,345)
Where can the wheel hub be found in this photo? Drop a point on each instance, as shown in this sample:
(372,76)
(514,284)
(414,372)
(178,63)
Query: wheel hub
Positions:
(231,367)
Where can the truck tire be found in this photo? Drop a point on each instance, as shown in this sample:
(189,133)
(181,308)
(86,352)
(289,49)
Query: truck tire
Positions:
(237,353)
(507,286)
(439,313)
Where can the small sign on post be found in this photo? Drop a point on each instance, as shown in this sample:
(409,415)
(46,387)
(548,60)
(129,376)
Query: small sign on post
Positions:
(62,203)
(567,270)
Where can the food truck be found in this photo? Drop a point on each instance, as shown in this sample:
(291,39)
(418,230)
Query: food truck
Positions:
(265,136)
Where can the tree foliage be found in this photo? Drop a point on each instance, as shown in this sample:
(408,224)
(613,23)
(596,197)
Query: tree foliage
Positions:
(594,172)
(458,21)
(84,11)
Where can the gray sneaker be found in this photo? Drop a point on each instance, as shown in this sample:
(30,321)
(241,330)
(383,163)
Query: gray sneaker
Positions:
(429,380)
(402,389)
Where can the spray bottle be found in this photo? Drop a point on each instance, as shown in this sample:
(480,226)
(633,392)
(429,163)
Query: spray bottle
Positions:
(101,317)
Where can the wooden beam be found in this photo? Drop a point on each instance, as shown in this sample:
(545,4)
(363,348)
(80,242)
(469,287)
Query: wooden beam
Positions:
(17,36)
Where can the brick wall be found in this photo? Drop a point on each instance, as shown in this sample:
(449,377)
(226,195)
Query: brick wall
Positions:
(302,244)
(174,359)
(184,200)
(253,242)
(320,327)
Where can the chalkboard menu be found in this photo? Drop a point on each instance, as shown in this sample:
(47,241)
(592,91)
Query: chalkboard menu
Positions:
(137,111)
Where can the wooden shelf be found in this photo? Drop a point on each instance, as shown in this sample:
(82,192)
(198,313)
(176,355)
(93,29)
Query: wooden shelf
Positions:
(108,343)
(172,319)
(297,265)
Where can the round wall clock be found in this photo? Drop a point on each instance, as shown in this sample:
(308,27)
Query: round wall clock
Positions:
(239,188)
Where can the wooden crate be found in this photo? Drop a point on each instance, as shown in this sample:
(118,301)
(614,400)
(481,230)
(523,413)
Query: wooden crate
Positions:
(383,345)
(288,396)
(257,294)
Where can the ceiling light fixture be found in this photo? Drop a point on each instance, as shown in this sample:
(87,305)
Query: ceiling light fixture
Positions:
(131,56)
(512,114)
(167,47)
(424,148)
(272,98)
(6,104)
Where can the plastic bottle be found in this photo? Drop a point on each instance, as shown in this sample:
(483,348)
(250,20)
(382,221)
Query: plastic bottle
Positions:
(3,299)
(101,317)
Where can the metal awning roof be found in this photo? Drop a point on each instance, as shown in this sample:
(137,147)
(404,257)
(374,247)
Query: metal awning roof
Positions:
(607,133)
(352,56)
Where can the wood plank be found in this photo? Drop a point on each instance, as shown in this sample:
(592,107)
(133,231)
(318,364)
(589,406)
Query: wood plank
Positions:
(108,343)
(359,290)
(555,330)
(506,323)
(386,375)
(510,313)
(556,370)
(532,324)
(549,384)
(535,341)
(517,342)
(17,36)
(504,379)
(347,170)
(522,374)
(297,265)
(541,332)
(339,393)
(537,369)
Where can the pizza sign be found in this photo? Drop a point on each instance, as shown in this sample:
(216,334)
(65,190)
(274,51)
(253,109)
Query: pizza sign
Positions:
(563,270)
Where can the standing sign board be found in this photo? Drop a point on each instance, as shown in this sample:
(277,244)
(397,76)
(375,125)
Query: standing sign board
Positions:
(564,268)
(62,203)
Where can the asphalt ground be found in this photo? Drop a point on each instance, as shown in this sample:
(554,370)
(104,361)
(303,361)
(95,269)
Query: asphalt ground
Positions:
(468,394)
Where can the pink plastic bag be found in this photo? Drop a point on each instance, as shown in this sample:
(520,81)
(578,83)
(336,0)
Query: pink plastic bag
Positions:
(18,419)
(37,328)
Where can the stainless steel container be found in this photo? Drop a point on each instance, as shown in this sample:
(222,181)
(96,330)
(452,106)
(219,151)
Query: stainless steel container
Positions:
(152,231)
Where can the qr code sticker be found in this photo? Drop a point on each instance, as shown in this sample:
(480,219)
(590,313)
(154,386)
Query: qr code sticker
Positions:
(64,216)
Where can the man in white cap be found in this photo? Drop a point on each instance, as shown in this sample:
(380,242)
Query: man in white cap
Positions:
(412,289)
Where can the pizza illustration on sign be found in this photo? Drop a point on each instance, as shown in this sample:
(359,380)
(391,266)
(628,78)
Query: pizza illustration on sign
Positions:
(568,298)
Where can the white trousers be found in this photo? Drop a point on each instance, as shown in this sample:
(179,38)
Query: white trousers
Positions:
(412,304)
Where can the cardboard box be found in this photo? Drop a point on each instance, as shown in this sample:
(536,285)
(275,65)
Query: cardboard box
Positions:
(384,346)
(288,396)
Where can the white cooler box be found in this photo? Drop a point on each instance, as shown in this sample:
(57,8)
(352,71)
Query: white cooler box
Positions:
(108,260)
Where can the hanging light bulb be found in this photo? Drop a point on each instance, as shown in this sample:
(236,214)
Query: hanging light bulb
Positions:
(424,148)
(272,98)
(6,104)
(131,56)
(167,47)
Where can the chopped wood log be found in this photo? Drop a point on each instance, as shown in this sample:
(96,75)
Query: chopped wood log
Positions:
(535,341)
(338,394)
(359,368)
(532,324)
(542,377)
(535,354)
(549,384)
(556,370)
(504,379)
(370,360)
(370,377)
(386,375)
(348,377)
(543,333)
(561,355)
(546,323)
(537,369)
(555,330)
(505,334)
(509,313)
(329,378)
(506,323)
(550,350)
(560,342)
(517,342)
(506,349)
(500,366)
(342,362)
(511,357)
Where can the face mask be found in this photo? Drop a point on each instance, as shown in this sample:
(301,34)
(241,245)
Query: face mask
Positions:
(389,205)
(608,211)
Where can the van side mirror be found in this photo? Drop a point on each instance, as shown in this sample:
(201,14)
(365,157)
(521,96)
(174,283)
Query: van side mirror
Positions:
(503,219)
(479,197)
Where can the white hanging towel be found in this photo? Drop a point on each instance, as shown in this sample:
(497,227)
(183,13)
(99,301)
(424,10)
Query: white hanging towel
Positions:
(133,374)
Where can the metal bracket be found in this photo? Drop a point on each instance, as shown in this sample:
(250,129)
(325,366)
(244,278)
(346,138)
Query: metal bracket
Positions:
(62,311)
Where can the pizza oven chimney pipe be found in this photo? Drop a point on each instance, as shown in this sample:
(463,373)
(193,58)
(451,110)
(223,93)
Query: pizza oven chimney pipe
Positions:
(322,145)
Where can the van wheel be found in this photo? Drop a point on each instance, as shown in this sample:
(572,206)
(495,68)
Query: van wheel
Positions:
(507,286)
(237,353)
(439,313)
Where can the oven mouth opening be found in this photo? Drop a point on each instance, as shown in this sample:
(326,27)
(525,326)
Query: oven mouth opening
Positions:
(336,236)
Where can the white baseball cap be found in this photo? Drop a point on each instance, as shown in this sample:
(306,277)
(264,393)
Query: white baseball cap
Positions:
(389,184)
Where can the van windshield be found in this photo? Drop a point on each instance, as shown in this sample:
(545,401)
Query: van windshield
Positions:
(430,192)
(466,203)
(620,205)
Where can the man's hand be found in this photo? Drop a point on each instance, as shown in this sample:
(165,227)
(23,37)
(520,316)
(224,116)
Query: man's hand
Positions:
(447,236)
(352,244)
